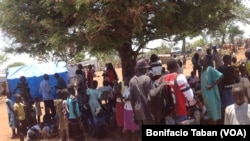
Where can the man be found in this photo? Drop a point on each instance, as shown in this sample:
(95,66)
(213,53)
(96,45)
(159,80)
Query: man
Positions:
(46,92)
(217,58)
(140,85)
(81,80)
(227,83)
(181,90)
(24,89)
(61,84)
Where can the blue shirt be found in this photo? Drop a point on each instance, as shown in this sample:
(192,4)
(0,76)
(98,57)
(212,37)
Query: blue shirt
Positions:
(71,99)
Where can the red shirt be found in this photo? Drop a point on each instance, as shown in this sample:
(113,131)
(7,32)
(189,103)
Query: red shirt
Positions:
(90,77)
(182,93)
(111,75)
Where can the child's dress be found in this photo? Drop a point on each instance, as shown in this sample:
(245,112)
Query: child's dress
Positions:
(119,108)
(38,110)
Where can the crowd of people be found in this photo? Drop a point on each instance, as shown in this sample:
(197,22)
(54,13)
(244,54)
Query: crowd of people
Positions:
(208,96)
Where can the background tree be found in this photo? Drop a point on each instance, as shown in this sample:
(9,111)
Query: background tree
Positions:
(15,64)
(3,58)
(55,28)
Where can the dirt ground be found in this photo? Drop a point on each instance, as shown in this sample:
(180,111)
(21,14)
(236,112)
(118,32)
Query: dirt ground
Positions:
(5,130)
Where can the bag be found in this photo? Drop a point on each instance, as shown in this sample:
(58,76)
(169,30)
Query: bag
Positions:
(160,100)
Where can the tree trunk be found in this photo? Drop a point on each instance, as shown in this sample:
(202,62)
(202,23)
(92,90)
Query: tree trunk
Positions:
(184,46)
(128,60)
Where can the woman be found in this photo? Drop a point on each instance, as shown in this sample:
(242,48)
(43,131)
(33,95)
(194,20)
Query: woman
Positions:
(130,127)
(210,77)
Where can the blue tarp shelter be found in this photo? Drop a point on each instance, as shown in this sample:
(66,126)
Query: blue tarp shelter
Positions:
(34,75)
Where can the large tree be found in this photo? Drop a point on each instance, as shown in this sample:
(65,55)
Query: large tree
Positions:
(59,28)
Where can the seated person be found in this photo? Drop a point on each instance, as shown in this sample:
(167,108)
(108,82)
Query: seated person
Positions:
(34,132)
(50,128)
(107,92)
(194,81)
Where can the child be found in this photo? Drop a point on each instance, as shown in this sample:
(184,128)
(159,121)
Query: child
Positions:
(119,105)
(235,64)
(130,127)
(11,114)
(65,111)
(38,109)
(247,55)
(244,80)
(194,81)
(94,96)
(238,113)
(21,118)
(31,114)
(59,113)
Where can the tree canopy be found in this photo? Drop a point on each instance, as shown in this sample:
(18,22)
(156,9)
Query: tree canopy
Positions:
(60,29)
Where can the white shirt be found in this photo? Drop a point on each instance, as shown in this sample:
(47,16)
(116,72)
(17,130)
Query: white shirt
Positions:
(237,115)
(127,104)
(218,59)
(45,89)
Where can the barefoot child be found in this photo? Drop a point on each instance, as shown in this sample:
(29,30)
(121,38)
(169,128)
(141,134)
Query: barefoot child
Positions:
(38,109)
(11,114)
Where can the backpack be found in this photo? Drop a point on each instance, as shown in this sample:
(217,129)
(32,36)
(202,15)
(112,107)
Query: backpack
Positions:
(160,100)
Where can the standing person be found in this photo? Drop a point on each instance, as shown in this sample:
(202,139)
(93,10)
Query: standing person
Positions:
(59,113)
(235,64)
(210,78)
(65,110)
(30,112)
(81,79)
(244,80)
(119,106)
(180,68)
(48,98)
(140,85)
(90,75)
(131,129)
(11,114)
(38,109)
(196,64)
(111,74)
(155,67)
(247,55)
(182,91)
(210,57)
(24,89)
(75,127)
(61,84)
(184,61)
(19,109)
(226,96)
(217,57)
(239,112)
(94,96)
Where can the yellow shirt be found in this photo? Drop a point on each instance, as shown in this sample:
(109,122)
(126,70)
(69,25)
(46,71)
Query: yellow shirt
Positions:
(248,67)
(236,66)
(19,109)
